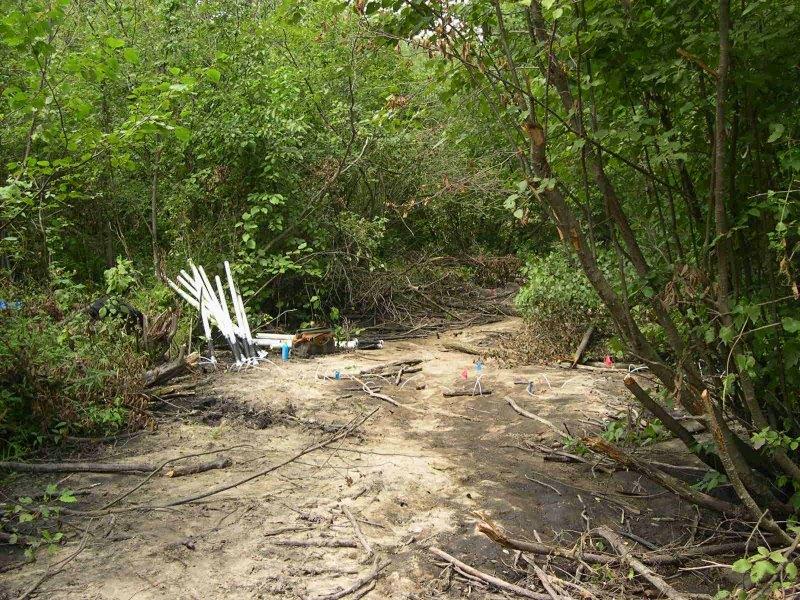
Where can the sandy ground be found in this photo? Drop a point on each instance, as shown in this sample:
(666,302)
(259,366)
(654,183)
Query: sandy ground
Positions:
(412,476)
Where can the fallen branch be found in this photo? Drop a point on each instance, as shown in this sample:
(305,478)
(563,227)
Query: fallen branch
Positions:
(629,559)
(662,557)
(318,542)
(674,427)
(398,363)
(220,463)
(359,583)
(661,478)
(357,529)
(541,420)
(490,579)
(471,392)
(373,394)
(74,467)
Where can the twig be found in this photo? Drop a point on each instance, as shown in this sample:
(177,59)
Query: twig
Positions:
(541,420)
(357,529)
(369,578)
(30,591)
(547,485)
(655,580)
(490,579)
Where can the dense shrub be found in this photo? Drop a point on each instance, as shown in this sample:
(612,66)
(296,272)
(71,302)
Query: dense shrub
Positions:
(61,374)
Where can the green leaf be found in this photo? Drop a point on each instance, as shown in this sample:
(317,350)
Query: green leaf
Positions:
(213,75)
(777,132)
(114,43)
(791,325)
(791,571)
(182,133)
(67,497)
(776,557)
(131,56)
(761,569)
(518,213)
(741,566)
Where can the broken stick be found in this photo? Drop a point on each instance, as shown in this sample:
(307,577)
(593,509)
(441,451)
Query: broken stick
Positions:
(490,579)
(624,552)
(587,337)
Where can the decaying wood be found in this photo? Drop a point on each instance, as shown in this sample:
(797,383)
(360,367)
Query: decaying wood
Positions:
(587,337)
(634,563)
(490,579)
(170,370)
(469,349)
(388,366)
(494,533)
(219,463)
(674,427)
(660,477)
(725,450)
(74,467)
(318,542)
(469,392)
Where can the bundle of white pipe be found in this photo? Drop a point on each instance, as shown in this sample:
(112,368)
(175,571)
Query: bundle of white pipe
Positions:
(210,300)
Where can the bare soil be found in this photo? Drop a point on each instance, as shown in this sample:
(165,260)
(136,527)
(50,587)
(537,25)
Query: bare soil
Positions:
(413,476)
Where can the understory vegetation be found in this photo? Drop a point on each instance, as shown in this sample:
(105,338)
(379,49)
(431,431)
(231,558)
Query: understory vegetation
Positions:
(635,165)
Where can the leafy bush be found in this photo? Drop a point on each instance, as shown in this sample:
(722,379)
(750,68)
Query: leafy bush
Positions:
(558,302)
(61,374)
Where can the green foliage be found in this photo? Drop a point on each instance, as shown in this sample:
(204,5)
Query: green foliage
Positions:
(26,519)
(60,375)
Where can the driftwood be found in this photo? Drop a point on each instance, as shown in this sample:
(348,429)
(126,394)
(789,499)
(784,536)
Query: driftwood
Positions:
(170,370)
(661,478)
(490,579)
(674,427)
(220,463)
(634,563)
(587,337)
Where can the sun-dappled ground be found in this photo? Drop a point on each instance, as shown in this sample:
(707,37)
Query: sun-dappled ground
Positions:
(412,476)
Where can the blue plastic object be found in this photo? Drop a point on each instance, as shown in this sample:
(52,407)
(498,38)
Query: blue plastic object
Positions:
(337,375)
(285,351)
(479,365)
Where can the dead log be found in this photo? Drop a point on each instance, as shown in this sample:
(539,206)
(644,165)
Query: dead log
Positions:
(674,427)
(663,479)
(470,392)
(629,559)
(220,463)
(170,370)
(388,366)
(320,542)
(74,467)
(587,337)
(467,349)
